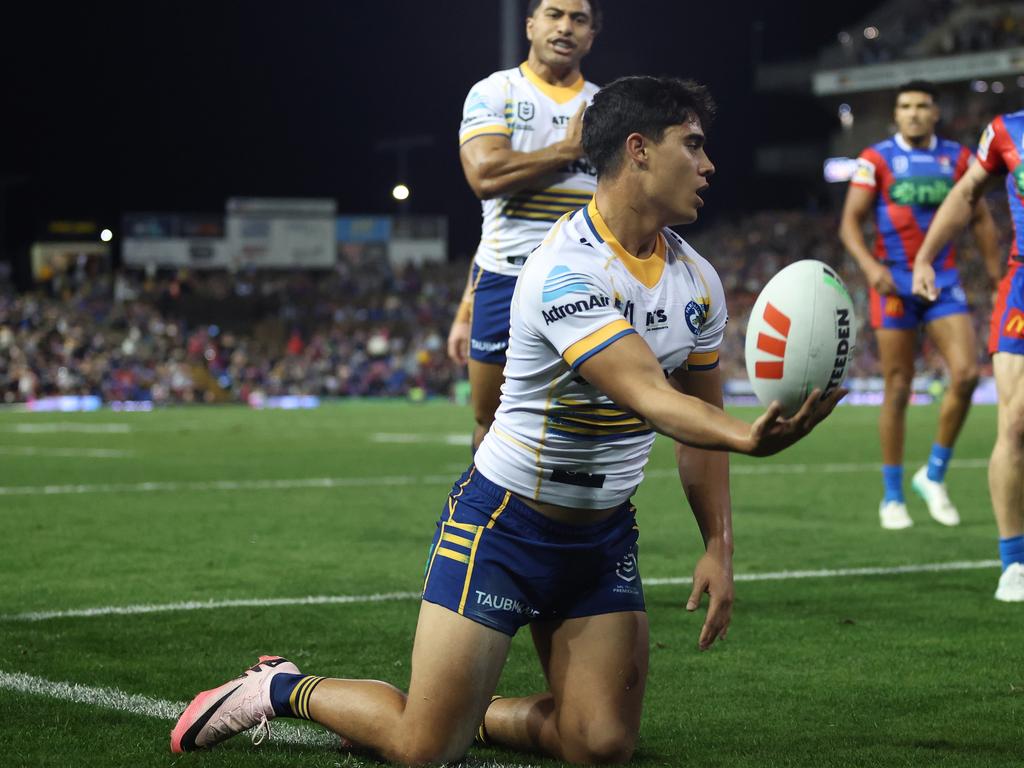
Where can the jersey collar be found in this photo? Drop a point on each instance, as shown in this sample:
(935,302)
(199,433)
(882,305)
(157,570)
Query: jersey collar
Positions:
(558,93)
(902,143)
(648,271)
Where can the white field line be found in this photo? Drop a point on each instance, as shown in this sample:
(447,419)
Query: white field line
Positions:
(125,610)
(71,453)
(136,704)
(68,426)
(282,732)
(363,481)
(410,438)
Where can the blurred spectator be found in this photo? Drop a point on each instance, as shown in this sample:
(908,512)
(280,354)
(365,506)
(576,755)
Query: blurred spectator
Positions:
(362,329)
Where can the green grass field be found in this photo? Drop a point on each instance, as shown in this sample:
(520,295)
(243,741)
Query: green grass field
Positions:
(215,504)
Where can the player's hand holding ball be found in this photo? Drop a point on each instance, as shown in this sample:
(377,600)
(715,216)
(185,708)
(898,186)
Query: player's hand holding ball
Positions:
(800,338)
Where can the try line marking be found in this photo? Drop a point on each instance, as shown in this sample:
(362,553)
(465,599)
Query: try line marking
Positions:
(447,479)
(198,605)
(136,704)
(160,709)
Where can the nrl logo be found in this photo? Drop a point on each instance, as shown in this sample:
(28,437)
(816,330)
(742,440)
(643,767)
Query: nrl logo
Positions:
(526,110)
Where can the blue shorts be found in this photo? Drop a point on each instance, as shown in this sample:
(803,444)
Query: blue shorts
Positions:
(1006,329)
(492,297)
(502,564)
(906,311)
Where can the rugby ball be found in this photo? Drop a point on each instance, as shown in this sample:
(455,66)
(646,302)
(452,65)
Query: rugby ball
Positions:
(801,335)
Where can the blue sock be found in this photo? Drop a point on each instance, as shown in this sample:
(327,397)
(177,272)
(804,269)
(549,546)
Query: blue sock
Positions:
(938,463)
(892,476)
(1011,551)
(289,694)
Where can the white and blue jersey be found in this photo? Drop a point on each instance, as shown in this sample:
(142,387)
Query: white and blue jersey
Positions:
(532,114)
(556,439)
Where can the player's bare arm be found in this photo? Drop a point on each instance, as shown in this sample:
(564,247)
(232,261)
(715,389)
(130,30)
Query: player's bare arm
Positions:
(953,215)
(493,168)
(459,333)
(986,237)
(705,479)
(856,210)
(628,373)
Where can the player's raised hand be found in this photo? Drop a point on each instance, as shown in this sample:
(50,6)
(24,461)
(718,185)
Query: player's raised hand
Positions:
(880,278)
(924,281)
(574,132)
(458,342)
(771,433)
(713,575)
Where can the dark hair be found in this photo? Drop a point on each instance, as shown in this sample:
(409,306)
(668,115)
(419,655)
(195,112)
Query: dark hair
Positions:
(645,105)
(596,16)
(920,86)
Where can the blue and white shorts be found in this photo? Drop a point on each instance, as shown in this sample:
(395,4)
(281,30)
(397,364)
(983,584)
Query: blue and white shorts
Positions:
(499,562)
(489,331)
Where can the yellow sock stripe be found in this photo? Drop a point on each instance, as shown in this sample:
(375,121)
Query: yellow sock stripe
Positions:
(476,543)
(296,698)
(482,737)
(299,700)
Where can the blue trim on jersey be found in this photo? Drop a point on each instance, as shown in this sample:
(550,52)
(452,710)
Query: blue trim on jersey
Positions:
(583,358)
(590,223)
(597,438)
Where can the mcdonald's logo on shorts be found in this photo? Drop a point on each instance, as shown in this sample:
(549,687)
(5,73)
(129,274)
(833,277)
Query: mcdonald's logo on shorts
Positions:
(893,306)
(1014,324)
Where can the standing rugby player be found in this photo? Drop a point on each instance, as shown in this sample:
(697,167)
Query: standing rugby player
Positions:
(522,155)
(999,155)
(901,182)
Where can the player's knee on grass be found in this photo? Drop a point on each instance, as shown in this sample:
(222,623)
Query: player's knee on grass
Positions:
(598,741)
(432,749)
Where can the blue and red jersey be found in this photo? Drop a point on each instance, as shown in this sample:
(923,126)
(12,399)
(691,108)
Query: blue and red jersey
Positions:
(910,185)
(999,152)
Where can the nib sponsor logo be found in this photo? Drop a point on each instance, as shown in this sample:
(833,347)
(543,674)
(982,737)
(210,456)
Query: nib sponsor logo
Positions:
(772,369)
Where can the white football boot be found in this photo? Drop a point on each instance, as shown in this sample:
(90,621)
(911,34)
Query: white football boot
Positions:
(236,706)
(1011,584)
(934,494)
(894,515)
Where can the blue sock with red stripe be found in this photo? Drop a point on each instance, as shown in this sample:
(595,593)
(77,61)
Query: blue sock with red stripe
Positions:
(1011,551)
(289,694)
(892,477)
(938,463)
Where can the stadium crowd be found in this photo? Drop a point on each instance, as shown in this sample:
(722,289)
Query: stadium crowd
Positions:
(935,28)
(362,329)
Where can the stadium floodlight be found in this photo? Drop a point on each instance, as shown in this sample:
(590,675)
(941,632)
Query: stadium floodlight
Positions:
(871,33)
(106,235)
(997,86)
(400,192)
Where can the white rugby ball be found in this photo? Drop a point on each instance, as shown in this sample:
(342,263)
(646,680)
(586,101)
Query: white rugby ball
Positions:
(801,335)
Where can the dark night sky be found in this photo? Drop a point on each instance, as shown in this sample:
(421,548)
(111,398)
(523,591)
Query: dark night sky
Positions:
(114,107)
